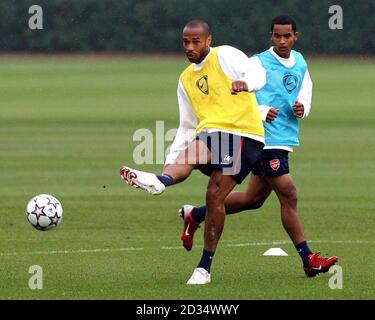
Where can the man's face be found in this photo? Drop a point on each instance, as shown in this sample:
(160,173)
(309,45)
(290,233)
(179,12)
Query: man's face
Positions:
(196,43)
(283,38)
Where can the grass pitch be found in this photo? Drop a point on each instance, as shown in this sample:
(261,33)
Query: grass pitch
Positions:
(66,126)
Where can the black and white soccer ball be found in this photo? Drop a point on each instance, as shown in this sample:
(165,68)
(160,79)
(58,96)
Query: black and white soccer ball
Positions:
(44,212)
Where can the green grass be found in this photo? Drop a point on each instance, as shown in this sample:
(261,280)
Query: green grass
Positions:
(66,126)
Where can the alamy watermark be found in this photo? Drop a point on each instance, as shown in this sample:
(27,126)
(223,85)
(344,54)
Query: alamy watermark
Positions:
(336,21)
(336,281)
(151,149)
(36,20)
(36,280)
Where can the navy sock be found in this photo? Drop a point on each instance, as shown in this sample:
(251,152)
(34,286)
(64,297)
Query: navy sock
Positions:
(304,251)
(206,260)
(166,179)
(199,214)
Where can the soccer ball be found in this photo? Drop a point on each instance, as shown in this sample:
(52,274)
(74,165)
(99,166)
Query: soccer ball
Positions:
(44,212)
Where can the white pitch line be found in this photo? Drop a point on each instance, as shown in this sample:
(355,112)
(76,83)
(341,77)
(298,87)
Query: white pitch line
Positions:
(69,251)
(344,241)
(279,242)
(171,248)
(245,244)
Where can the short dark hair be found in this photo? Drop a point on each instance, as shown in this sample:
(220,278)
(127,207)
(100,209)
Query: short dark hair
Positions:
(283,20)
(199,23)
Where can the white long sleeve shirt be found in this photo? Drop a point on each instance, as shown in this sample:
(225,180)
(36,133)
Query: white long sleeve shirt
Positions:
(237,66)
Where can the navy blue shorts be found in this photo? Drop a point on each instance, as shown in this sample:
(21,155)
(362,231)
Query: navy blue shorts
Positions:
(274,162)
(232,154)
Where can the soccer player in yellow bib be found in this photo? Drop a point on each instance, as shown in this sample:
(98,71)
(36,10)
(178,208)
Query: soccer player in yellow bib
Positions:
(220,131)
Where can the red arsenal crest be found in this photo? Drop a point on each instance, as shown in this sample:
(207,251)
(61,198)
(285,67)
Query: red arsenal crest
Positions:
(275,164)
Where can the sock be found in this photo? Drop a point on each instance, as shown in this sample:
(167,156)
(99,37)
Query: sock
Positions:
(199,214)
(166,179)
(304,251)
(206,260)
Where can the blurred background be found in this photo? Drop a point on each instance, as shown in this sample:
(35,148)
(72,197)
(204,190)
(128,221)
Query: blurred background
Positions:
(155,25)
(72,96)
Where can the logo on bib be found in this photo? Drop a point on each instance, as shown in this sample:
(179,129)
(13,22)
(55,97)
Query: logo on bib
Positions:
(290,82)
(202,84)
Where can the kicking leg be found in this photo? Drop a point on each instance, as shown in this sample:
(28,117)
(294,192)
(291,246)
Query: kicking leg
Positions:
(196,154)
(188,160)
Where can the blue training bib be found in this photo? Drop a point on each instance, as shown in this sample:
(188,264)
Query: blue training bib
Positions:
(281,91)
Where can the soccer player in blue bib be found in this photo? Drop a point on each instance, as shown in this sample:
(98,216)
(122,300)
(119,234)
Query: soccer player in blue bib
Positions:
(284,100)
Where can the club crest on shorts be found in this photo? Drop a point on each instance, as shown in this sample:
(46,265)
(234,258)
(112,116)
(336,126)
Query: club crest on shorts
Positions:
(202,84)
(275,164)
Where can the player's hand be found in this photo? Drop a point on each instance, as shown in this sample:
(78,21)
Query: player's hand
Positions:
(272,114)
(238,86)
(298,109)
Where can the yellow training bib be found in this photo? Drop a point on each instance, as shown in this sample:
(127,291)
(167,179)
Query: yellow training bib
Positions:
(209,92)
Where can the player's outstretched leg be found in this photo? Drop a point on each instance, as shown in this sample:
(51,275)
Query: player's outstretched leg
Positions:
(172,173)
(190,226)
(144,180)
(318,264)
